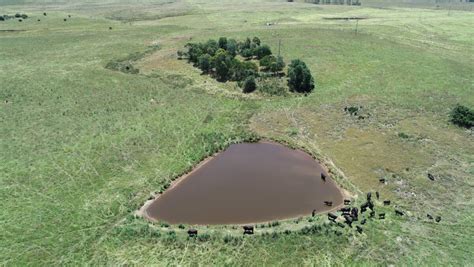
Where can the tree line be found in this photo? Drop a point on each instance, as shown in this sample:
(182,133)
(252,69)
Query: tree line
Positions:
(245,62)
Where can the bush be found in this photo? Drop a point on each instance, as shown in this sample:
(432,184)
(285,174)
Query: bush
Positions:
(300,78)
(249,85)
(462,116)
(273,86)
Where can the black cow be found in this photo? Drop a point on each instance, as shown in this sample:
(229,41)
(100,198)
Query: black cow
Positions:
(192,232)
(431,177)
(386,202)
(359,229)
(313,213)
(65,19)
(429,216)
(382,180)
(332,216)
(345,210)
(399,212)
(355,214)
(363,221)
(69,15)
(110,28)
(44,14)
(382,216)
(248,230)
(328,203)
(341,225)
(348,220)
(377,194)
(347,202)
(372,214)
(323,177)
(369,196)
(371,205)
(363,207)
(438,219)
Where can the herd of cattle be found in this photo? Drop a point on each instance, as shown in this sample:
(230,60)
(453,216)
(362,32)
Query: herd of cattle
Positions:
(349,214)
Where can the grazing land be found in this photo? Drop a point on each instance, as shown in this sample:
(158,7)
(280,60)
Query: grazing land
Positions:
(83,146)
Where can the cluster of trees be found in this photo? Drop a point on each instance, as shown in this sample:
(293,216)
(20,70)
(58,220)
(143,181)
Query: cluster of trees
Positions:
(220,59)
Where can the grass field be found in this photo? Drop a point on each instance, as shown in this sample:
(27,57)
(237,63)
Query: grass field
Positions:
(82,147)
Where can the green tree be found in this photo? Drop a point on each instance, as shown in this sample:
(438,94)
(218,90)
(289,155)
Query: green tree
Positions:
(262,51)
(256,41)
(266,61)
(278,65)
(300,78)
(222,63)
(249,85)
(222,43)
(205,63)
(211,47)
(232,47)
(194,51)
(247,53)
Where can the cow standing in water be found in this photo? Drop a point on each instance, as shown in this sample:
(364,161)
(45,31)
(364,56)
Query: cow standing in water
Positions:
(323,177)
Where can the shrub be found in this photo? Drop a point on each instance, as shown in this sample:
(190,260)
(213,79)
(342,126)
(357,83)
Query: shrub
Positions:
(300,78)
(249,85)
(462,116)
(204,237)
(273,86)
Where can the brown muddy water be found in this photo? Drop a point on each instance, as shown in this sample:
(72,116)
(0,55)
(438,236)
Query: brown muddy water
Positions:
(247,183)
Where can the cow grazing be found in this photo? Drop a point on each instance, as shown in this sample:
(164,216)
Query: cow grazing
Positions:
(399,212)
(355,214)
(377,194)
(382,216)
(341,225)
(248,230)
(348,220)
(65,19)
(313,213)
(347,202)
(431,177)
(345,210)
(323,177)
(429,216)
(386,202)
(363,221)
(332,216)
(359,229)
(44,14)
(438,219)
(382,180)
(192,232)
(110,28)
(328,203)
(371,205)
(369,196)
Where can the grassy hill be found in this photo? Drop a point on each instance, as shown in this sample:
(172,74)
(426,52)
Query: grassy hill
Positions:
(82,147)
